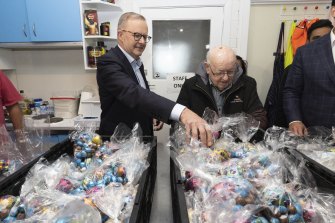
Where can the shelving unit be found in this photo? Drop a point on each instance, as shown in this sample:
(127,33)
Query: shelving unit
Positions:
(107,12)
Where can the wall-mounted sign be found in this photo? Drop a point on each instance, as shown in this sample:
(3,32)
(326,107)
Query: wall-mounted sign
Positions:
(176,81)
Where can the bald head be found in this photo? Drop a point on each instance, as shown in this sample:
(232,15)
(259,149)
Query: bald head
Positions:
(221,66)
(221,55)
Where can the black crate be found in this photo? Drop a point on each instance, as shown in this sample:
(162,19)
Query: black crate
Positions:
(324,177)
(11,185)
(179,206)
(143,201)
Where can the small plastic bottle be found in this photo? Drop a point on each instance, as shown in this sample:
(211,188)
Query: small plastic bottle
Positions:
(24,104)
(38,102)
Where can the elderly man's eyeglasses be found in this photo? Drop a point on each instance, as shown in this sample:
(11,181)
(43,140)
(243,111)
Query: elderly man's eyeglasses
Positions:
(229,73)
(138,36)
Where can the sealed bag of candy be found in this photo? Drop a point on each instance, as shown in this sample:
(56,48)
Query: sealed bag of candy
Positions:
(44,175)
(11,158)
(122,197)
(235,189)
(42,204)
(6,204)
(274,138)
(282,203)
(246,126)
(76,211)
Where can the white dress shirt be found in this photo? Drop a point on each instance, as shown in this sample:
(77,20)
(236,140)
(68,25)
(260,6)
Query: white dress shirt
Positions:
(136,64)
(332,41)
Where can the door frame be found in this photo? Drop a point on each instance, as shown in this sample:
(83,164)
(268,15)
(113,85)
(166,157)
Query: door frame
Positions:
(230,7)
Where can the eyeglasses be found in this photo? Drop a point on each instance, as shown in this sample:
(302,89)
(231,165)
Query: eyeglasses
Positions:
(138,36)
(229,73)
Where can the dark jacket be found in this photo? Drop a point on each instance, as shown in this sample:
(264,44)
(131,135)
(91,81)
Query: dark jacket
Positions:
(123,100)
(196,94)
(309,93)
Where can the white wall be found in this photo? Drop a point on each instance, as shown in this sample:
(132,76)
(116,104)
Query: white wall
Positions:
(41,73)
(265,20)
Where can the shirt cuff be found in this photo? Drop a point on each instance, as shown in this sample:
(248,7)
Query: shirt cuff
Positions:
(294,122)
(176,112)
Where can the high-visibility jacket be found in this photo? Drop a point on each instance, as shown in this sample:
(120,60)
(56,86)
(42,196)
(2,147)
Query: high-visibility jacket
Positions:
(299,36)
(289,49)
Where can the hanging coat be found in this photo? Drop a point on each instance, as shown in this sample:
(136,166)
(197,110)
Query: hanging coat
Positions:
(271,102)
(289,49)
(299,36)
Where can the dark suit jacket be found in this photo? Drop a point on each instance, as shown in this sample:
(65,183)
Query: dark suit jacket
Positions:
(123,100)
(309,93)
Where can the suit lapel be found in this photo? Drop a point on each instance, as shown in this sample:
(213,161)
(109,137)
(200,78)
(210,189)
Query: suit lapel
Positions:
(327,54)
(144,78)
(126,64)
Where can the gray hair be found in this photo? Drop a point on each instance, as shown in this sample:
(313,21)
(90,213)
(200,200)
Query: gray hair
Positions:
(127,16)
(207,56)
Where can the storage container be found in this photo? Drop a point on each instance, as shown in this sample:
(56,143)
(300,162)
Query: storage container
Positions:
(325,181)
(65,107)
(179,207)
(11,185)
(324,177)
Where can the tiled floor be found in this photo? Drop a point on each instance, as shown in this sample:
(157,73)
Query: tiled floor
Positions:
(161,211)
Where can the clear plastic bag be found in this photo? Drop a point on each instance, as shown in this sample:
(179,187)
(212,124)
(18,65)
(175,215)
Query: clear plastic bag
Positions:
(246,126)
(273,138)
(44,175)
(11,158)
(76,211)
(6,204)
(319,135)
(35,136)
(122,198)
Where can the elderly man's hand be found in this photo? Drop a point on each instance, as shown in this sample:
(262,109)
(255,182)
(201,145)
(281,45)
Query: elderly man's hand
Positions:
(196,127)
(158,125)
(298,128)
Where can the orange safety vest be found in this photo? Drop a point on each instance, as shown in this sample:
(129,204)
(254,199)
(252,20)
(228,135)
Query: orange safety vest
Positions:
(299,36)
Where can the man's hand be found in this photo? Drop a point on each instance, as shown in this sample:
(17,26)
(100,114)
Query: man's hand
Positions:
(298,128)
(196,127)
(158,125)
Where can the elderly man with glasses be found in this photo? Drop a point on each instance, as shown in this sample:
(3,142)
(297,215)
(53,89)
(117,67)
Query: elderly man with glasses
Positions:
(124,91)
(220,85)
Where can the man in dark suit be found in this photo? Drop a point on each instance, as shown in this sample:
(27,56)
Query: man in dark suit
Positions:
(309,92)
(124,91)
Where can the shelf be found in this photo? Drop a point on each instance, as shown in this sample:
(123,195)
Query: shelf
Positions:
(43,45)
(95,37)
(106,12)
(102,6)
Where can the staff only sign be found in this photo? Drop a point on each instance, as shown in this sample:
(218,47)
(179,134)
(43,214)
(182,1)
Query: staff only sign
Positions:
(176,81)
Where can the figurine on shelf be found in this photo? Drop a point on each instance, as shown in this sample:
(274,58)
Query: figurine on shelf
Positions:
(91,22)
